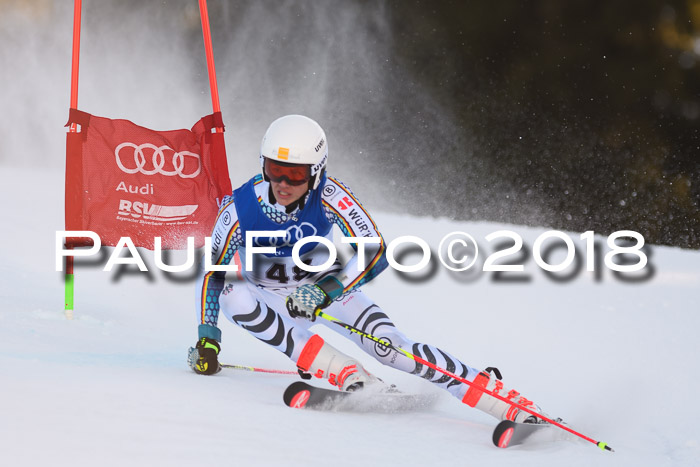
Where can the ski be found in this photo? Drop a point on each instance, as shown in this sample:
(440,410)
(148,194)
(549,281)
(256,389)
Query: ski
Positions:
(301,395)
(508,433)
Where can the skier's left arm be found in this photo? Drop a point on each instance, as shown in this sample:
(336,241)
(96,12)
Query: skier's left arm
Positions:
(344,210)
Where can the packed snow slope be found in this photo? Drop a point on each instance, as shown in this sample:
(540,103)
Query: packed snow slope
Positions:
(616,360)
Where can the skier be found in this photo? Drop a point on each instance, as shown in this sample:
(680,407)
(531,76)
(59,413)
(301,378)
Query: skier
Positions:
(276,301)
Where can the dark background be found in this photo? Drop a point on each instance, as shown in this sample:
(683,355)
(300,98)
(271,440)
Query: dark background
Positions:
(577,115)
(589,108)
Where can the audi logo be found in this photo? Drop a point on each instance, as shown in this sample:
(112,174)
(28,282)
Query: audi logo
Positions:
(292,235)
(135,156)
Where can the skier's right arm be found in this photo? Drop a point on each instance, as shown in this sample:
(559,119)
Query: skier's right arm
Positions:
(225,239)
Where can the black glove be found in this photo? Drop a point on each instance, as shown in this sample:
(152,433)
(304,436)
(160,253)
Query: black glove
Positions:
(203,358)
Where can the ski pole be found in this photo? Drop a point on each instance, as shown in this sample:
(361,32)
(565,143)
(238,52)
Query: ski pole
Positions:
(258,370)
(422,361)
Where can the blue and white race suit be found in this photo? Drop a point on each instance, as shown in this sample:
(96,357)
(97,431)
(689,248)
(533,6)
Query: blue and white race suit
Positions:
(257,303)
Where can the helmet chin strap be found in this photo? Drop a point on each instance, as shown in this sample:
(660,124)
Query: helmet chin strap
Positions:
(300,203)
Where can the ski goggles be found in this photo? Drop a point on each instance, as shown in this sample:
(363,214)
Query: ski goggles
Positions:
(294,174)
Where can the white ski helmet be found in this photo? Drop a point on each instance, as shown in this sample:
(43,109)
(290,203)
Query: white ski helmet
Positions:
(296,140)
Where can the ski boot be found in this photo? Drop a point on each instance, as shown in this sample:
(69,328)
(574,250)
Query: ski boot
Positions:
(496,407)
(325,361)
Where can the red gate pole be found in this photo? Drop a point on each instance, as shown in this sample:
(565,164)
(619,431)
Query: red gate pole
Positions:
(70,278)
(206,33)
(211,68)
(76,57)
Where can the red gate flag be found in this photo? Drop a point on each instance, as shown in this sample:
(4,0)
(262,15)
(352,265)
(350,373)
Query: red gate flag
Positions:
(123,180)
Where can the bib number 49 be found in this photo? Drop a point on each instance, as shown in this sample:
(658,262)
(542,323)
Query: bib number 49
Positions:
(278,273)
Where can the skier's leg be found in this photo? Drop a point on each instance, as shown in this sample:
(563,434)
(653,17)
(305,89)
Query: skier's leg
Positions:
(359,311)
(254,310)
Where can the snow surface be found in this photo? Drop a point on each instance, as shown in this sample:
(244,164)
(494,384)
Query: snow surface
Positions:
(111,387)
